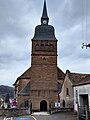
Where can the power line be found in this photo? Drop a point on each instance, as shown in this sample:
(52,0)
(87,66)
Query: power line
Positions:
(85,23)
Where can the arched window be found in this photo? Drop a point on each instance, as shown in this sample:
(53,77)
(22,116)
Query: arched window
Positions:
(51,47)
(46,47)
(42,47)
(37,47)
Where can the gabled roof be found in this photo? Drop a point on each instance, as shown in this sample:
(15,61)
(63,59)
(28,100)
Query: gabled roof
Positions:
(25,90)
(76,77)
(25,75)
(60,74)
(83,81)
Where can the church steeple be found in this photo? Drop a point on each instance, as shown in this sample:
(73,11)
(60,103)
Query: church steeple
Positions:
(44,18)
(44,31)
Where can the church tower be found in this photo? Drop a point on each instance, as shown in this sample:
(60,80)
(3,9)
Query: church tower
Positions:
(44,64)
(41,83)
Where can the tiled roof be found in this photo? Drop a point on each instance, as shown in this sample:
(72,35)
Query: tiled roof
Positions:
(83,81)
(76,77)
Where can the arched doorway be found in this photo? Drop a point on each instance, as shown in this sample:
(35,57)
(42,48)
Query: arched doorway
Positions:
(43,105)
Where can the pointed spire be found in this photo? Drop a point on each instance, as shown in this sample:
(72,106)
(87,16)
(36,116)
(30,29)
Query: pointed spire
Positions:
(44,14)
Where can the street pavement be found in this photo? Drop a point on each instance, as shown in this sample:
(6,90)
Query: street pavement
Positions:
(45,116)
(57,116)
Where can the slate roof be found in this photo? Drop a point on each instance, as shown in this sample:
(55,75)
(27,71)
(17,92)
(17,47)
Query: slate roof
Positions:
(25,90)
(44,31)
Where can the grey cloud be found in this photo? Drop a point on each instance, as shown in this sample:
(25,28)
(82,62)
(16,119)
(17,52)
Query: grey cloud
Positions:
(18,19)
(14,17)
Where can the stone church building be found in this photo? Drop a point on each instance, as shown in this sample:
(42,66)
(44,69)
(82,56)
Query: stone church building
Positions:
(40,85)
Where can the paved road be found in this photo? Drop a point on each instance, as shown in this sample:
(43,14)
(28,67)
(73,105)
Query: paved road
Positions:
(57,116)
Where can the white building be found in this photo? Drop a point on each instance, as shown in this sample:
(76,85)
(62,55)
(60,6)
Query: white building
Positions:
(82,93)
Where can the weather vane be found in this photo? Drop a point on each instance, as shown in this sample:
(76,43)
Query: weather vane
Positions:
(87,45)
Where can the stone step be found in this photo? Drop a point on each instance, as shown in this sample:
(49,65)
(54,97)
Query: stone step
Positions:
(40,113)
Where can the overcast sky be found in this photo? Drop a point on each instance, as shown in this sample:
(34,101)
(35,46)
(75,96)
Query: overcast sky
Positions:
(18,18)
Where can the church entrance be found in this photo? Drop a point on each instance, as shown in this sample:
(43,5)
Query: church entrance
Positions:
(43,105)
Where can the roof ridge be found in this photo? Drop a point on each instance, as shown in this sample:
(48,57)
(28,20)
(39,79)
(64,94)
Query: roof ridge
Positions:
(84,77)
(24,73)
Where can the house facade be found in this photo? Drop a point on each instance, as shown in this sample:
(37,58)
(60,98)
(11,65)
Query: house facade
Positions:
(40,85)
(67,95)
(82,93)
